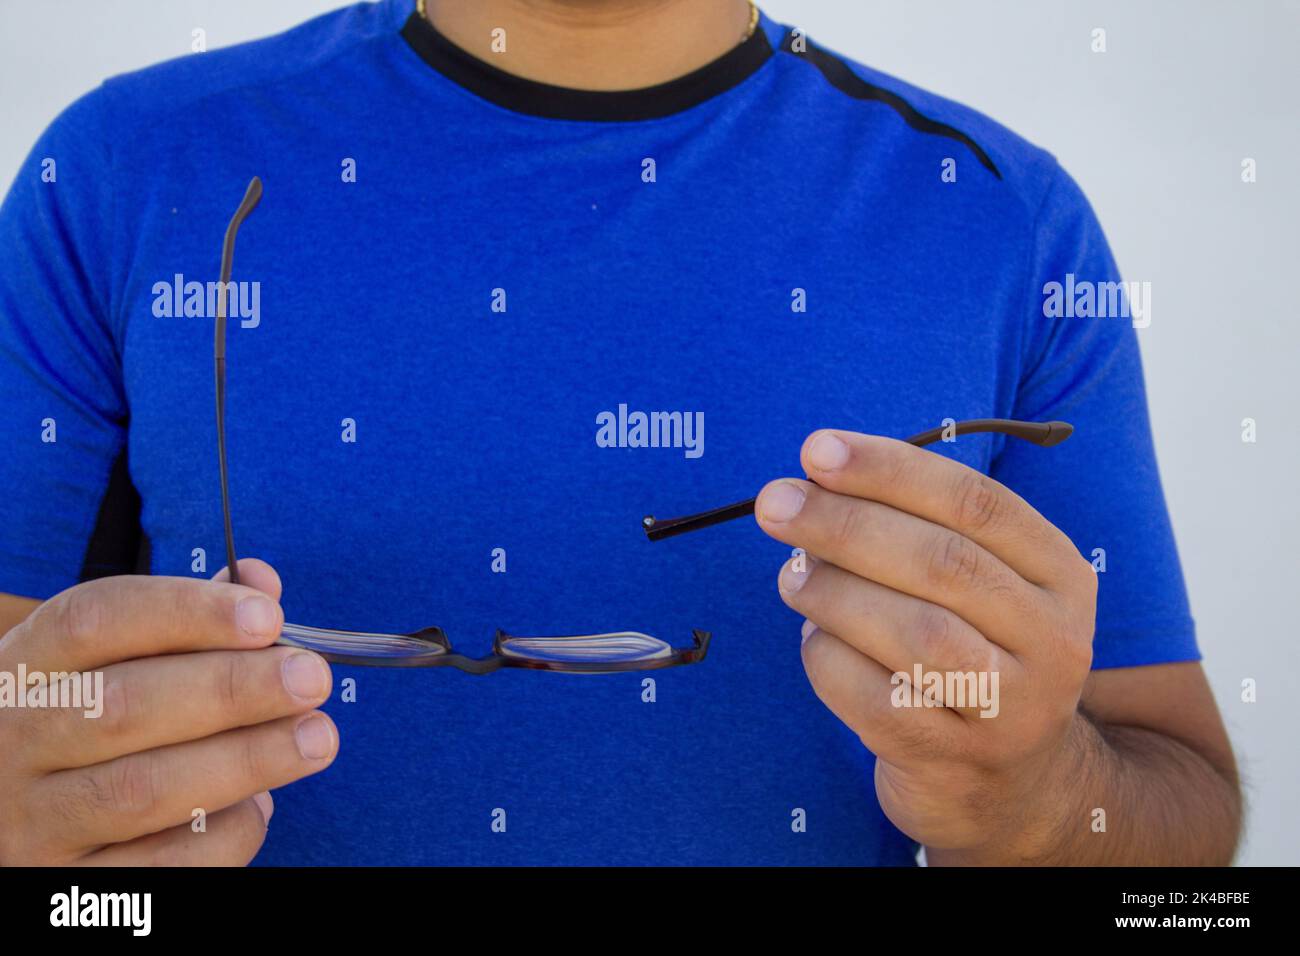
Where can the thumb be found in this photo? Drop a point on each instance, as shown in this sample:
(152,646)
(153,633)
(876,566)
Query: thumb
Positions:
(255,573)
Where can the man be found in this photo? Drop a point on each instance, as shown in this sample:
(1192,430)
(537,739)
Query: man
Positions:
(493,234)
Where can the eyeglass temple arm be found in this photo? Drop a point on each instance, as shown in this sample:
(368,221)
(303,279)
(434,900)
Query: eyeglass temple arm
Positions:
(1044,434)
(251,198)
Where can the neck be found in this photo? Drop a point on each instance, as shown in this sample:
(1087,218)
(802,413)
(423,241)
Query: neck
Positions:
(593,44)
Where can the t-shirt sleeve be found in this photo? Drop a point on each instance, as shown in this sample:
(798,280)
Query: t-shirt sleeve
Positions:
(1101,487)
(62,406)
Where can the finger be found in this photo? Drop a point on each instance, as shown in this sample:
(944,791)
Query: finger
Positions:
(117,619)
(900,632)
(908,554)
(257,574)
(166,700)
(860,693)
(158,789)
(945,492)
(229,837)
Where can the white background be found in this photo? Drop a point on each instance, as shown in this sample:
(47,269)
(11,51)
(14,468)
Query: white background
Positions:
(1154,129)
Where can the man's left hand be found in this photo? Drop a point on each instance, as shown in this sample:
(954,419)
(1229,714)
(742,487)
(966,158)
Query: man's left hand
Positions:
(915,559)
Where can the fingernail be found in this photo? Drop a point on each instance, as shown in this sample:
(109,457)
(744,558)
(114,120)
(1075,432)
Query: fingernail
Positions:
(315,739)
(805,632)
(257,616)
(781,502)
(305,675)
(827,452)
(265,804)
(790,580)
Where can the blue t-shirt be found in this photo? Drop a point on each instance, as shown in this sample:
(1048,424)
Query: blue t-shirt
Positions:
(463,272)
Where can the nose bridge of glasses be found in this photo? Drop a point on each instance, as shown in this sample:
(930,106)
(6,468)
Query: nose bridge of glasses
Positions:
(432,635)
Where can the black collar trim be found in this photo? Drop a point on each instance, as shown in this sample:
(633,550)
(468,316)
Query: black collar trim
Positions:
(563,103)
(841,76)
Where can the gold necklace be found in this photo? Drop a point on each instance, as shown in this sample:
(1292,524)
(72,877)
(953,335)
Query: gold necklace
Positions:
(749,32)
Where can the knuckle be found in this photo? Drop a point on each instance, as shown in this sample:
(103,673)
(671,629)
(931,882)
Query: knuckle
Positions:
(893,462)
(19,633)
(125,787)
(1079,602)
(80,612)
(979,503)
(849,526)
(953,563)
(25,737)
(132,787)
(121,705)
(76,798)
(229,678)
(253,760)
(945,644)
(1086,575)
(1078,655)
(933,634)
(182,600)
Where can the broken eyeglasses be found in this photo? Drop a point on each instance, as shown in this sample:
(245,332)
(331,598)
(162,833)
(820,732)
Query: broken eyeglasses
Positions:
(611,652)
(573,653)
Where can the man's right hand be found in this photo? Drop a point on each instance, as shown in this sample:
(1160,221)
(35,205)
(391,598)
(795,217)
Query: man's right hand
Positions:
(200,712)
